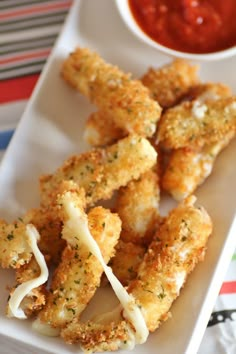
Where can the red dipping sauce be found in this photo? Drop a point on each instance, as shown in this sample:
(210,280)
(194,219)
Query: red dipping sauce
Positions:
(192,26)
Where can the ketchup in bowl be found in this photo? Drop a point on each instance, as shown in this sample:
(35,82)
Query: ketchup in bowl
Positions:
(191,26)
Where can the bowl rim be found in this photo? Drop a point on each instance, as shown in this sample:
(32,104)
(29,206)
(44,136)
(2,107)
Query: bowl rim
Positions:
(129,20)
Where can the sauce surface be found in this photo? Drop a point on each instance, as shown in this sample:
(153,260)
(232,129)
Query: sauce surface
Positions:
(192,26)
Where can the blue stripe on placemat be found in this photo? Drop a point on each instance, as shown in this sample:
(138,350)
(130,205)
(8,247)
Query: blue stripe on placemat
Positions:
(5,137)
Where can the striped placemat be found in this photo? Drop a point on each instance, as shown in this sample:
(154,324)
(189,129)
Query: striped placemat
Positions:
(28,30)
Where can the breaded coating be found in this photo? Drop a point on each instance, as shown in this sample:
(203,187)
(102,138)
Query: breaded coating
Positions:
(126,261)
(35,300)
(78,275)
(178,246)
(49,226)
(14,247)
(102,171)
(196,124)
(188,168)
(97,337)
(124,100)
(100,130)
(138,207)
(171,82)
(208,91)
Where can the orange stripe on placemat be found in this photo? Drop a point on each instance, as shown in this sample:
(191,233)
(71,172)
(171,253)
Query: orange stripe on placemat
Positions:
(26,56)
(228,287)
(17,89)
(35,9)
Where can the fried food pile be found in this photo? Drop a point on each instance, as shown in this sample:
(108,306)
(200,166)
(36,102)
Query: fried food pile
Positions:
(160,132)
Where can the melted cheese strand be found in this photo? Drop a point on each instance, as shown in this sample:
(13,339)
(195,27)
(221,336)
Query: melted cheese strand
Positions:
(24,289)
(45,329)
(78,221)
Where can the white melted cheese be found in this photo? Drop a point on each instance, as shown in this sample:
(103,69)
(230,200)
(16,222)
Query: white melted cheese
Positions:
(177,280)
(78,222)
(233,106)
(45,329)
(91,135)
(184,254)
(199,109)
(25,288)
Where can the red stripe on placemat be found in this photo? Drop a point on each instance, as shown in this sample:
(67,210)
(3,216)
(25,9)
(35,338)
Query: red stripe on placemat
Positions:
(228,287)
(35,9)
(17,89)
(25,56)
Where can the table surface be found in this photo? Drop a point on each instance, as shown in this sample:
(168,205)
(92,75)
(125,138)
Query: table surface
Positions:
(28,30)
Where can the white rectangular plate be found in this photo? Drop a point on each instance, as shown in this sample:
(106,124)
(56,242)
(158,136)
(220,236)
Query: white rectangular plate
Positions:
(51,129)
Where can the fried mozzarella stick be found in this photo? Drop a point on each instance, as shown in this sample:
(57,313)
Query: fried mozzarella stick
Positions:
(102,171)
(188,168)
(169,84)
(138,207)
(79,272)
(179,245)
(125,101)
(15,249)
(197,124)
